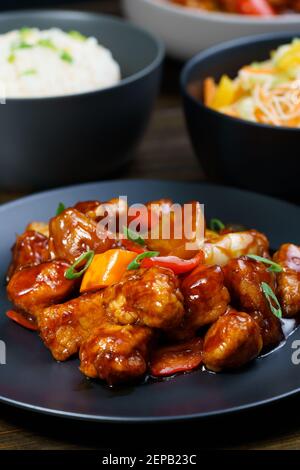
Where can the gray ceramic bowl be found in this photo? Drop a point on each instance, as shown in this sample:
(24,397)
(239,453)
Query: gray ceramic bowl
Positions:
(50,141)
(260,157)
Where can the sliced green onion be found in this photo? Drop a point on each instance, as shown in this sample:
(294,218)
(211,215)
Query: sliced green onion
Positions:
(273,267)
(29,72)
(77,35)
(25,31)
(22,45)
(133,236)
(60,208)
(46,42)
(11,58)
(216,225)
(135,264)
(64,55)
(87,257)
(272,299)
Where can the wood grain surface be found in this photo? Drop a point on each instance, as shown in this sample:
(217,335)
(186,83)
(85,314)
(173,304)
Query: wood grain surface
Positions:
(165,153)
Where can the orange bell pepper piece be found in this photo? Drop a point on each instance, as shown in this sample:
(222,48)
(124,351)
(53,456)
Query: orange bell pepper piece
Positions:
(106,269)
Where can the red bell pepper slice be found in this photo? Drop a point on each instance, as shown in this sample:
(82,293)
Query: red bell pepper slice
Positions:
(254,7)
(21,320)
(177,265)
(132,246)
(182,357)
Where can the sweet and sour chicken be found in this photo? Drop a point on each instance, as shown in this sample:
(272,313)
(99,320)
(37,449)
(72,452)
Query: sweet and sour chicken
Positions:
(244,277)
(146,296)
(131,304)
(288,281)
(63,327)
(116,353)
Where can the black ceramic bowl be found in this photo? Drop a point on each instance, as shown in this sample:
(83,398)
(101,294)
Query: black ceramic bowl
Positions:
(50,141)
(260,157)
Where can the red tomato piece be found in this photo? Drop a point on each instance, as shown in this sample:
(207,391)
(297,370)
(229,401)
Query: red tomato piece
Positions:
(21,320)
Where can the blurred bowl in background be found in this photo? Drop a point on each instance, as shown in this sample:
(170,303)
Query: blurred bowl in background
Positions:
(186,31)
(256,156)
(80,137)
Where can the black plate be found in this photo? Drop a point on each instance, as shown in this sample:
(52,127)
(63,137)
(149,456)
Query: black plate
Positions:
(32,379)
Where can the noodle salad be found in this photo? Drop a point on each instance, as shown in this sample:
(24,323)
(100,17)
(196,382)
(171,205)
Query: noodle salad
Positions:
(265,92)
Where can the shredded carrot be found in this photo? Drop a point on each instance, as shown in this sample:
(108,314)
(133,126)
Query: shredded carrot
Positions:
(258,71)
(209,90)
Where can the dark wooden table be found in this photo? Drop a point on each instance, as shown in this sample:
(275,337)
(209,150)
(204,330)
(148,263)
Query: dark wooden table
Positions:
(165,153)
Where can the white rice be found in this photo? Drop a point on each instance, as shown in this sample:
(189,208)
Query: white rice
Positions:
(35,63)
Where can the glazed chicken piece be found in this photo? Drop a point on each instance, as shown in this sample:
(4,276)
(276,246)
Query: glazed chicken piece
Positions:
(282,5)
(111,210)
(219,249)
(73,233)
(40,227)
(243,278)
(36,287)
(31,248)
(294,5)
(288,281)
(64,327)
(116,353)
(206,298)
(228,5)
(148,296)
(88,208)
(231,342)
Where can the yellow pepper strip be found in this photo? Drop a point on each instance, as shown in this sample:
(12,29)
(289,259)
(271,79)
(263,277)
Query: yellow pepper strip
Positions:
(291,58)
(106,269)
(225,93)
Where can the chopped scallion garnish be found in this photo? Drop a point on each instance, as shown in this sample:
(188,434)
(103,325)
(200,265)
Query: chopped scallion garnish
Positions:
(25,32)
(133,236)
(22,45)
(11,58)
(272,299)
(46,42)
(77,35)
(71,272)
(216,225)
(273,267)
(64,55)
(29,72)
(60,208)
(135,264)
